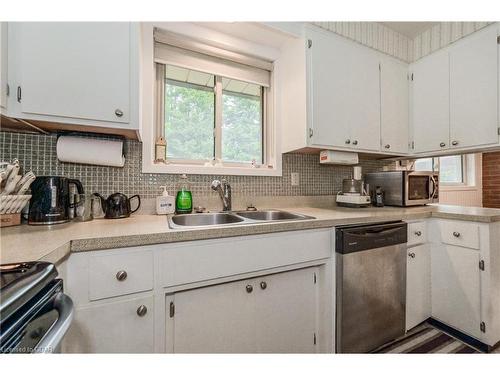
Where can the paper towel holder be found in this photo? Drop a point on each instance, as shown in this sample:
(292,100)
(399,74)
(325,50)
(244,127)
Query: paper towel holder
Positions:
(111,137)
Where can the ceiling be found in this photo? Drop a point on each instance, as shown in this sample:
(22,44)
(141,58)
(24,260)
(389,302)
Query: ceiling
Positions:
(409,29)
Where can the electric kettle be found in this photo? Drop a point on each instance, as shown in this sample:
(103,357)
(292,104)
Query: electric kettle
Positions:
(117,205)
(50,199)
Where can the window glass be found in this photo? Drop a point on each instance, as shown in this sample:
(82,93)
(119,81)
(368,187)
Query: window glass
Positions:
(241,121)
(189,113)
(425,164)
(451,169)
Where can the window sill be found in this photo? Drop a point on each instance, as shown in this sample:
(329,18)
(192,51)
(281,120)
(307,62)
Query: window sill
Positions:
(210,170)
(458,187)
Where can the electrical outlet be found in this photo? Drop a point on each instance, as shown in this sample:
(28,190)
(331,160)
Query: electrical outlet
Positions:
(295,179)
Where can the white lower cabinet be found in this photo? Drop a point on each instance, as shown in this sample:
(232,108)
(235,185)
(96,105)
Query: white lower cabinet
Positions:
(456,289)
(418,285)
(269,314)
(114,327)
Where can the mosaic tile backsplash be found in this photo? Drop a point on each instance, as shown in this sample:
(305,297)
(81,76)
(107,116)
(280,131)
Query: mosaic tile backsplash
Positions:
(38,153)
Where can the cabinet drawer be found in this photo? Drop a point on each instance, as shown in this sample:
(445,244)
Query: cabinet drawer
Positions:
(119,274)
(460,234)
(417,233)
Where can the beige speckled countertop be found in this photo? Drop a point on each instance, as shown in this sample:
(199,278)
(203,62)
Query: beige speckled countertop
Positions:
(54,243)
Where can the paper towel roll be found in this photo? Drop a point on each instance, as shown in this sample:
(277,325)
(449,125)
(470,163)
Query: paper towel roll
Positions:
(90,151)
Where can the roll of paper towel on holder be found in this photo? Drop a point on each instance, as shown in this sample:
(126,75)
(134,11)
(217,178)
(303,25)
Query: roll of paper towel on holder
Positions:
(71,149)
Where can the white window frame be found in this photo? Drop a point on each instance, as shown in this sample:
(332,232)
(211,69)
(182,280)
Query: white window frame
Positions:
(271,144)
(469,173)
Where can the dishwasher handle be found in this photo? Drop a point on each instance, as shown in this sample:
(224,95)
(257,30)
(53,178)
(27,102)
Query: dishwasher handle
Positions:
(50,342)
(375,232)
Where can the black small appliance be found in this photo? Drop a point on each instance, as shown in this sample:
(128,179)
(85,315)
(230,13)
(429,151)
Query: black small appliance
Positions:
(50,201)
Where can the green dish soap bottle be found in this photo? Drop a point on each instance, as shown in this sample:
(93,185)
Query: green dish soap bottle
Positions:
(184,198)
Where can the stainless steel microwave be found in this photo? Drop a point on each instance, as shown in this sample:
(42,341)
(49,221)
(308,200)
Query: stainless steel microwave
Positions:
(406,188)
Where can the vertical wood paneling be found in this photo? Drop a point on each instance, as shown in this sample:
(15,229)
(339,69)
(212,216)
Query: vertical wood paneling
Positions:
(384,39)
(374,35)
(441,35)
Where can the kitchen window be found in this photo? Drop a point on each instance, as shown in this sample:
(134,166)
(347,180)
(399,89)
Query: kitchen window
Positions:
(454,171)
(212,108)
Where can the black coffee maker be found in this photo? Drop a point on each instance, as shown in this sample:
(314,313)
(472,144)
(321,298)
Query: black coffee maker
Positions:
(50,201)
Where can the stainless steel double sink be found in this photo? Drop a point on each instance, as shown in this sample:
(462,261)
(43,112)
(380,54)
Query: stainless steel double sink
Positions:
(232,218)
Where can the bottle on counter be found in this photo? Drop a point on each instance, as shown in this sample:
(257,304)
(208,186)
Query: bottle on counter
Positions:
(184,199)
(165,204)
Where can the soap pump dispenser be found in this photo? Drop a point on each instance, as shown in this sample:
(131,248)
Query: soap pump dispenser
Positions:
(165,204)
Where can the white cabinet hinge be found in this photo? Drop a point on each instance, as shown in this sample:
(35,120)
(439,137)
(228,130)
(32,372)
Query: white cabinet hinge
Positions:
(309,43)
(482,327)
(481,265)
(172,310)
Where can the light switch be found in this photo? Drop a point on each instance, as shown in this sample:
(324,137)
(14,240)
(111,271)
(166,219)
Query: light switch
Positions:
(295,179)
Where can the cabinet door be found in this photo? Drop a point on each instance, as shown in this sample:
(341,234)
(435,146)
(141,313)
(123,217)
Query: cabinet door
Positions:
(394,106)
(215,319)
(418,285)
(3,65)
(77,70)
(344,93)
(248,317)
(473,90)
(431,102)
(455,280)
(286,312)
(113,327)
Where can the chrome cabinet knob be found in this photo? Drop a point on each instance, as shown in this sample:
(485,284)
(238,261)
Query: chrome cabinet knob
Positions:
(263,285)
(121,275)
(118,112)
(142,310)
(411,255)
(456,234)
(454,143)
(347,141)
(418,233)
(249,288)
(442,144)
(387,146)
(354,143)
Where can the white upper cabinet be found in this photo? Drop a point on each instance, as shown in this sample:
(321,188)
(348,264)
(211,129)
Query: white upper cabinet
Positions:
(80,73)
(473,90)
(3,66)
(455,95)
(430,99)
(394,105)
(344,93)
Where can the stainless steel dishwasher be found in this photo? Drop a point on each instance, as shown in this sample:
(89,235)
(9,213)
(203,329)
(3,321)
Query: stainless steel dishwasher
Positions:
(371,285)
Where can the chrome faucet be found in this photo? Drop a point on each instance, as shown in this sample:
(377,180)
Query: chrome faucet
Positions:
(224,190)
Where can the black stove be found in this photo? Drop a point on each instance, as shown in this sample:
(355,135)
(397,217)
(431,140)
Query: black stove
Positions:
(34,312)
